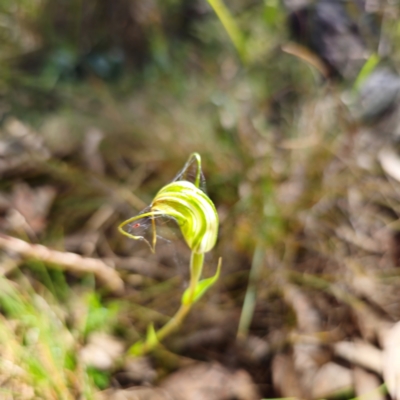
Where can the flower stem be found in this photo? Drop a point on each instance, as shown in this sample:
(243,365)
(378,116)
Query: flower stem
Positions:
(196,268)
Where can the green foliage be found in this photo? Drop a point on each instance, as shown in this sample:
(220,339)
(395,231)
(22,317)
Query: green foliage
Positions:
(37,348)
(201,287)
(98,316)
(151,341)
(231,27)
(366,70)
(100,378)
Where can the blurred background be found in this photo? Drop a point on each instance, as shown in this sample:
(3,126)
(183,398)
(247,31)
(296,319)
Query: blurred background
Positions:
(294,106)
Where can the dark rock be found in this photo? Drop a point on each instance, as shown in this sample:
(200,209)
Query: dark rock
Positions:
(328,30)
(377,95)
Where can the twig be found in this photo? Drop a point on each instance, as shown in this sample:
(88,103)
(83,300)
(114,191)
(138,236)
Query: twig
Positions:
(65,260)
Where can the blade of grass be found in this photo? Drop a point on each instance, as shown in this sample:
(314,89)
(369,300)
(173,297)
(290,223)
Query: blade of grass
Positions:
(230,26)
(366,70)
(250,299)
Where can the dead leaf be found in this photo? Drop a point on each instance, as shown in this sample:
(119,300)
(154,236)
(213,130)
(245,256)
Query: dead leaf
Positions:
(307,357)
(33,205)
(367,384)
(210,381)
(284,377)
(332,380)
(391,360)
(135,393)
(360,353)
(101,351)
(139,370)
(308,318)
(390,162)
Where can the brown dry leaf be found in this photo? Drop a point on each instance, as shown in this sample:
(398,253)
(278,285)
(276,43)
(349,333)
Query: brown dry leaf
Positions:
(358,239)
(362,276)
(32,205)
(210,381)
(367,383)
(331,380)
(308,319)
(304,54)
(390,162)
(284,377)
(307,360)
(101,351)
(391,360)
(360,353)
(135,393)
(369,322)
(307,357)
(139,370)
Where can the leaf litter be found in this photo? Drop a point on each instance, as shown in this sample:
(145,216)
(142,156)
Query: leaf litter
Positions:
(314,186)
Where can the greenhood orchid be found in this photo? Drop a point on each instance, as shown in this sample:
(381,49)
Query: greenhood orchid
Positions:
(196,216)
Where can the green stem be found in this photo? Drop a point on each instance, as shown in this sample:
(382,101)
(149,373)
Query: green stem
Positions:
(166,330)
(196,268)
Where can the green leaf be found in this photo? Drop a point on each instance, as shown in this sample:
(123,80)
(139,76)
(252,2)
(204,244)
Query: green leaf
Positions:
(201,287)
(150,342)
(366,70)
(151,336)
(231,27)
(137,348)
(100,378)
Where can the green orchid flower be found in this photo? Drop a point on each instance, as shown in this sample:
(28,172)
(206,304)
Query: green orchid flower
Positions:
(189,206)
(197,219)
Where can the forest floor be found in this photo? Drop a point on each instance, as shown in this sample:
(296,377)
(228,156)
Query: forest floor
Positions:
(308,198)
